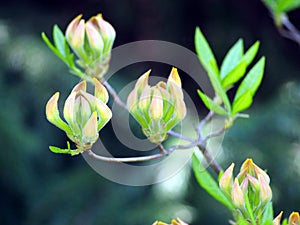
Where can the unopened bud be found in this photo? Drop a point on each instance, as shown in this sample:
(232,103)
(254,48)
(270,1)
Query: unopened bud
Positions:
(294,218)
(237,195)
(226,180)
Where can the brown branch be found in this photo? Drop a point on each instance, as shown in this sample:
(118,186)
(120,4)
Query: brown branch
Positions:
(209,159)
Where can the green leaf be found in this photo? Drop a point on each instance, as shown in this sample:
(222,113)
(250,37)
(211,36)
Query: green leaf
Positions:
(59,41)
(232,58)
(208,61)
(268,215)
(252,80)
(211,105)
(284,222)
(205,53)
(209,184)
(251,53)
(242,103)
(288,5)
(59,150)
(234,75)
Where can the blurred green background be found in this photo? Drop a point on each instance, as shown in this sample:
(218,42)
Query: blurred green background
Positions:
(39,187)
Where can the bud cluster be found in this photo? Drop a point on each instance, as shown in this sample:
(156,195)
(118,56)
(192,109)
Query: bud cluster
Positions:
(84,113)
(251,184)
(173,222)
(92,43)
(159,108)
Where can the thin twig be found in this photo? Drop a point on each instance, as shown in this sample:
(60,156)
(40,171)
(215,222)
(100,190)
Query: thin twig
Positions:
(162,153)
(180,136)
(209,159)
(214,134)
(114,94)
(203,122)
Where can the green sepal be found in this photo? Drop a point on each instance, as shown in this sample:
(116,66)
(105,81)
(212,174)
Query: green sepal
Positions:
(209,184)
(211,105)
(249,209)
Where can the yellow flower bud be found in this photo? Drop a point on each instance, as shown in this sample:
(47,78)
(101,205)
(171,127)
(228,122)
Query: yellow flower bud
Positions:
(294,219)
(159,108)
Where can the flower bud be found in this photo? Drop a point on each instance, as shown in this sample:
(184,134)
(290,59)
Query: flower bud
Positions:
(159,108)
(276,221)
(237,195)
(294,219)
(92,43)
(226,180)
(84,113)
(174,222)
(265,190)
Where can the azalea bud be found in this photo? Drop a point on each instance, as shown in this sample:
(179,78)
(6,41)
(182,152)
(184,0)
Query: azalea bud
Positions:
(92,42)
(265,190)
(294,219)
(237,195)
(174,222)
(159,108)
(84,113)
(226,180)
(276,221)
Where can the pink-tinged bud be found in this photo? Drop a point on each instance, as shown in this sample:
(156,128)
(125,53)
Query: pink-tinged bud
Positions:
(100,91)
(144,102)
(265,189)
(85,114)
(244,185)
(107,31)
(226,180)
(255,184)
(237,195)
(156,107)
(277,220)
(75,35)
(294,219)
(94,39)
(90,130)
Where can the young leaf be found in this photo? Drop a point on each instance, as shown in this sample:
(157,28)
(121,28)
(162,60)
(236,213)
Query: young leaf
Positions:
(232,58)
(288,5)
(251,53)
(242,103)
(211,105)
(205,53)
(209,184)
(59,41)
(208,61)
(268,215)
(234,75)
(252,80)
(59,150)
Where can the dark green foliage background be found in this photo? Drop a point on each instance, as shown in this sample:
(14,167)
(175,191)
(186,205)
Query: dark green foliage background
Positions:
(39,187)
